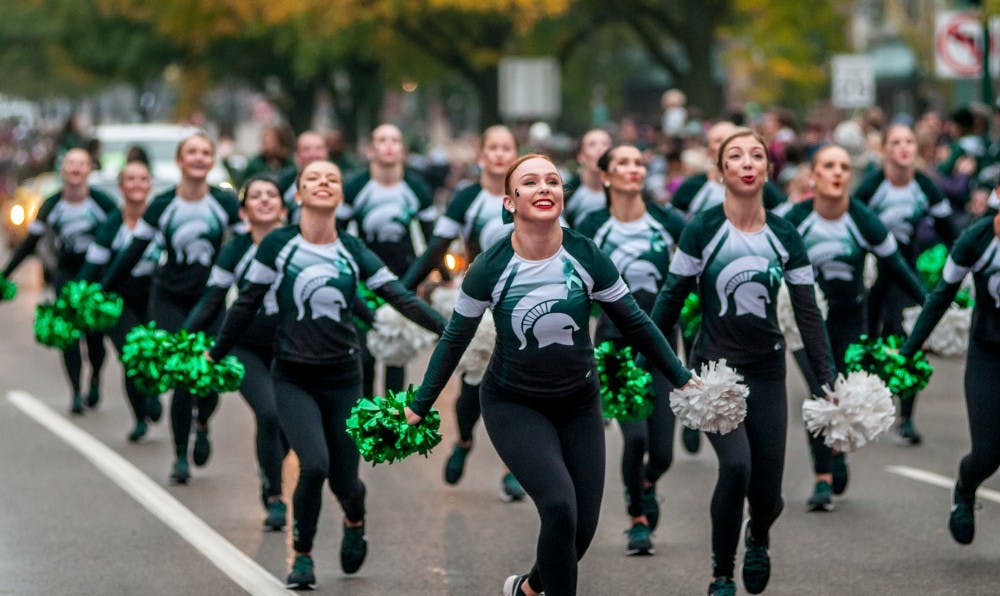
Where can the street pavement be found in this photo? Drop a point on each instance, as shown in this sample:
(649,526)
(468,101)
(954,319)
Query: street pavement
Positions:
(67,528)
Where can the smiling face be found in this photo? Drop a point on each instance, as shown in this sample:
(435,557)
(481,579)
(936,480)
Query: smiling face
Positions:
(592,146)
(135,182)
(262,204)
(831,173)
(743,162)
(76,166)
(900,146)
(386,148)
(626,172)
(499,150)
(195,157)
(535,191)
(320,187)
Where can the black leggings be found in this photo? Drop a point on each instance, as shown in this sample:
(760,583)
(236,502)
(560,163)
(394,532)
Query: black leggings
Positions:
(887,301)
(73,358)
(648,446)
(314,402)
(467,410)
(982,377)
(258,391)
(131,316)
(169,313)
(555,448)
(751,464)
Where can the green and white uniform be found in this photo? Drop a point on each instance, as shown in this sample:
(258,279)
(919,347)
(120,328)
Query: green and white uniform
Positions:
(902,207)
(698,193)
(581,201)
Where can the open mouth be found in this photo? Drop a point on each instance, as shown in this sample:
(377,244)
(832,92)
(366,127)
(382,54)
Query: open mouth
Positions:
(748,179)
(544,204)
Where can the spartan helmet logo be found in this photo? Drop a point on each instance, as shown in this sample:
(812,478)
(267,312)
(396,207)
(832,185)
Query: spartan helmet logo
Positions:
(736,278)
(76,234)
(642,275)
(895,218)
(190,244)
(383,224)
(993,287)
(824,257)
(548,327)
(311,287)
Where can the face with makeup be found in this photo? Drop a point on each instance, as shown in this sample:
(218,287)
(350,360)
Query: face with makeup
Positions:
(535,191)
(744,164)
(831,173)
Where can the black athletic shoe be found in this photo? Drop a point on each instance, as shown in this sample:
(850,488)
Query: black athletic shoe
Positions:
(353,548)
(722,586)
(202,447)
(76,404)
(820,499)
(94,396)
(639,542)
(154,409)
(301,576)
(906,433)
(512,586)
(181,473)
(839,468)
(962,521)
(651,507)
(277,514)
(691,439)
(511,489)
(138,432)
(756,564)
(455,465)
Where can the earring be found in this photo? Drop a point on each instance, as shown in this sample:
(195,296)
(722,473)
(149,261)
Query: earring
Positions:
(511,210)
(721,180)
(607,185)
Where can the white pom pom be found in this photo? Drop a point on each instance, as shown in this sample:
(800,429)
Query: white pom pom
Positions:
(786,316)
(477,355)
(396,340)
(858,411)
(717,403)
(443,300)
(871,270)
(951,335)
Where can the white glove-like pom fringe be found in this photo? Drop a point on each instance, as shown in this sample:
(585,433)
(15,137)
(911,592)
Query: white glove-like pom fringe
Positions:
(443,300)
(786,316)
(858,411)
(717,403)
(950,337)
(871,270)
(477,356)
(396,340)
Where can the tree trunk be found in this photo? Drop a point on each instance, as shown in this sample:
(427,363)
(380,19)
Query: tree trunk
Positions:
(699,83)
(488,94)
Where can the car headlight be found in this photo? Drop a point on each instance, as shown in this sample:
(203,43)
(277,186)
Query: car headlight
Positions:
(17,215)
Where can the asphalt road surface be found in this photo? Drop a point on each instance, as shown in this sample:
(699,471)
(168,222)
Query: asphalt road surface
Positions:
(78,519)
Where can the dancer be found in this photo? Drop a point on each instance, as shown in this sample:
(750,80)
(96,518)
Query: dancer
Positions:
(585,191)
(637,236)
(901,196)
(262,208)
(384,201)
(310,271)
(72,216)
(309,146)
(474,214)
(539,396)
(736,255)
(135,183)
(192,218)
(838,232)
(975,251)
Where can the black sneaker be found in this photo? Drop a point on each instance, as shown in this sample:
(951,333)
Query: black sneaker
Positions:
(639,542)
(455,465)
(820,499)
(906,433)
(94,396)
(512,586)
(962,521)
(154,409)
(838,466)
(277,514)
(651,507)
(138,432)
(353,548)
(691,439)
(202,447)
(511,489)
(76,404)
(756,564)
(301,577)
(181,473)
(722,586)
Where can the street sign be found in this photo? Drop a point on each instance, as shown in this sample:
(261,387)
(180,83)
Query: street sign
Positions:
(529,88)
(852,81)
(958,45)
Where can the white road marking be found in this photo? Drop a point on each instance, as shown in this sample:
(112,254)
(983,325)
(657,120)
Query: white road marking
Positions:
(939,480)
(230,560)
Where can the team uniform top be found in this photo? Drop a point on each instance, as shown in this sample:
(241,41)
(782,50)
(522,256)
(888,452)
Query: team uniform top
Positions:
(475,214)
(738,275)
(541,311)
(384,213)
(581,201)
(697,193)
(837,251)
(312,288)
(73,225)
(192,233)
(112,237)
(231,269)
(977,251)
(902,207)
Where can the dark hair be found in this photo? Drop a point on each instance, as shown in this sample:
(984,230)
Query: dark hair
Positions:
(130,162)
(137,153)
(242,195)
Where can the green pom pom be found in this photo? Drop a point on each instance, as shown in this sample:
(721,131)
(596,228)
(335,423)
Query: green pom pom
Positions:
(378,427)
(53,329)
(963,299)
(184,360)
(691,316)
(8,289)
(904,377)
(92,308)
(141,357)
(625,388)
(930,264)
(372,300)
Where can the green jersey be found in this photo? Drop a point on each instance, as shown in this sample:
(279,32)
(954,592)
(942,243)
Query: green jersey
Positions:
(384,213)
(902,207)
(73,225)
(698,193)
(112,238)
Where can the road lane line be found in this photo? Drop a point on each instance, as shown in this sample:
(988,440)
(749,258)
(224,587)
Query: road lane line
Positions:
(230,560)
(939,480)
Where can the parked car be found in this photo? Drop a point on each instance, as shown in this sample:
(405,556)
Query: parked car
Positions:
(159,141)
